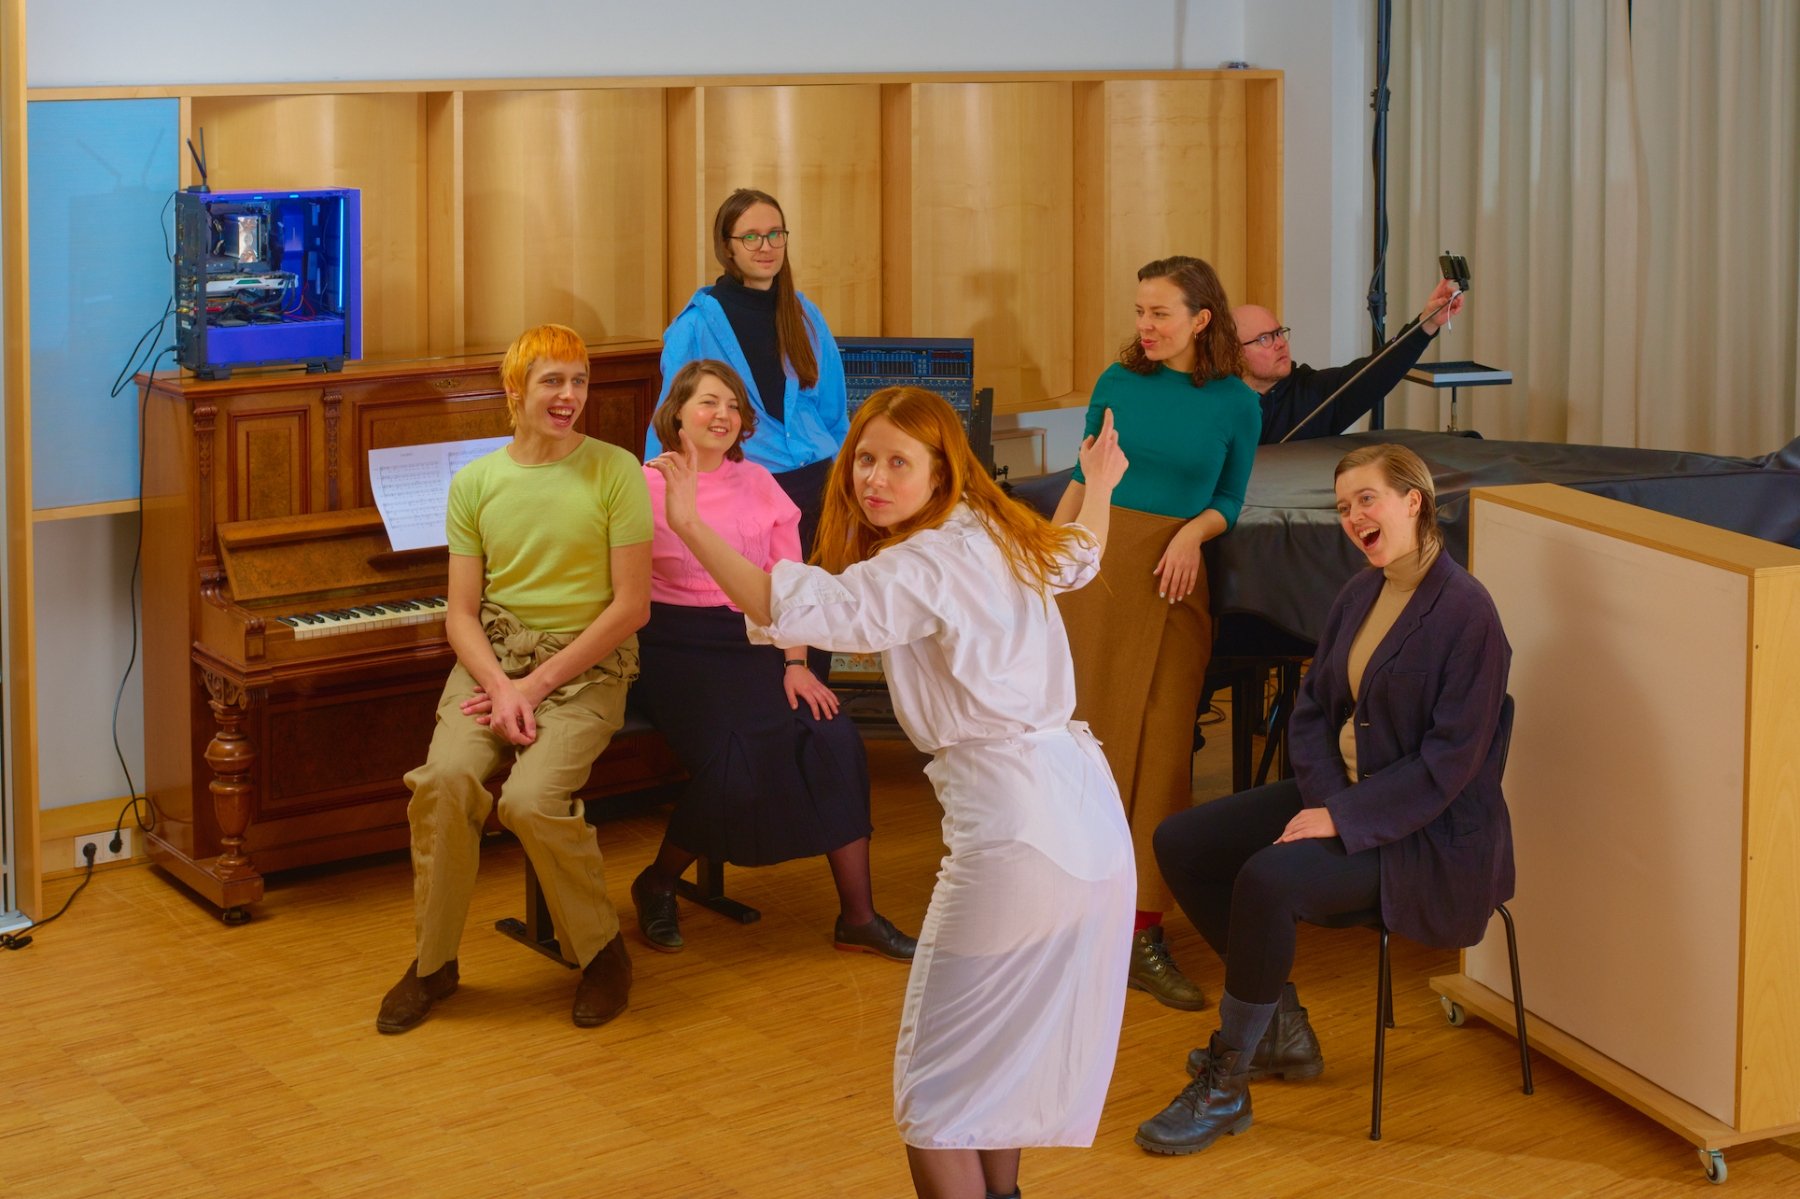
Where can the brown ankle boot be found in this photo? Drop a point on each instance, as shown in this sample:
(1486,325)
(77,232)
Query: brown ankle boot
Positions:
(604,987)
(1289,1048)
(1153,970)
(410,999)
(1216,1103)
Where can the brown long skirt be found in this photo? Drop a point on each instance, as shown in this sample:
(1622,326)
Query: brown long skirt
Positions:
(1140,664)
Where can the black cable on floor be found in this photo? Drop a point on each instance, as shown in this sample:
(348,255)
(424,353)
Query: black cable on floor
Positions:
(23,937)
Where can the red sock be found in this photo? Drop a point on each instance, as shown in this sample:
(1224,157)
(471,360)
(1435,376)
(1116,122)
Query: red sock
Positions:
(1146,920)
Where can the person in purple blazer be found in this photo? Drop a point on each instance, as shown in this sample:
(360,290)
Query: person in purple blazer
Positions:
(1397,741)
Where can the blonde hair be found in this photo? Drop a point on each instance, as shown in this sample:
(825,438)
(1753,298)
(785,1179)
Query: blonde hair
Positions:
(1034,548)
(1403,471)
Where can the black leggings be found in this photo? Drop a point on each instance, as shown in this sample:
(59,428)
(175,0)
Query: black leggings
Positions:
(1244,893)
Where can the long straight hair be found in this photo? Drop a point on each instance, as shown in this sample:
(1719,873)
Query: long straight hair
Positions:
(792,331)
(1034,548)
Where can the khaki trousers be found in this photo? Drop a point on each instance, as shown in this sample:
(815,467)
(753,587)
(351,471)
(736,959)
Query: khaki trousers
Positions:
(451,802)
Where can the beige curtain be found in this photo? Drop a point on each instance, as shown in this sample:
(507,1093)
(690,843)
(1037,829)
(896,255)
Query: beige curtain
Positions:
(1514,143)
(1624,185)
(1719,103)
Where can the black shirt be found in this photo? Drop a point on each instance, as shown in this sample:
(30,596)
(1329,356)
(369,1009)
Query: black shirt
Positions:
(752,316)
(1287,403)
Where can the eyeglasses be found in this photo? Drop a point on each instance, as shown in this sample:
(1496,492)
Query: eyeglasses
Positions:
(1268,340)
(776,238)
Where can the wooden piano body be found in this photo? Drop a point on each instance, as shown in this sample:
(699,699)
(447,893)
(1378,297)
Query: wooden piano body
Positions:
(266,748)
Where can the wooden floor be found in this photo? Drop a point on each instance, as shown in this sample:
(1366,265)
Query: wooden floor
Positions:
(150,1051)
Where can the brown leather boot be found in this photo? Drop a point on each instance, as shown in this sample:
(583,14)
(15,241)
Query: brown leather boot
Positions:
(1153,970)
(604,987)
(1289,1048)
(1216,1103)
(410,999)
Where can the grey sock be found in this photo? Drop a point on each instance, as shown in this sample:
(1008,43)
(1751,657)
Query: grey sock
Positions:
(1241,1025)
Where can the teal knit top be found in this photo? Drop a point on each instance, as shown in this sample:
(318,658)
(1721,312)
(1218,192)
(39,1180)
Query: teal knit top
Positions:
(1190,447)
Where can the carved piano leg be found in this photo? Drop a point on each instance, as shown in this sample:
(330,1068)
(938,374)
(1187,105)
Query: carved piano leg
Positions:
(231,756)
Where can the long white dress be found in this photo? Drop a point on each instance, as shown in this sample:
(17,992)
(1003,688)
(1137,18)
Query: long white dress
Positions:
(1016,994)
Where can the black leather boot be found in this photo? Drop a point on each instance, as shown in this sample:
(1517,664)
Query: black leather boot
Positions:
(1216,1103)
(1289,1048)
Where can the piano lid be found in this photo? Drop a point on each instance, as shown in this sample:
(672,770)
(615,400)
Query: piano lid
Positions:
(321,553)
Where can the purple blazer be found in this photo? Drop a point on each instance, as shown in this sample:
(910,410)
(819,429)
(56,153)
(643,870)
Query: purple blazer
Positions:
(1429,744)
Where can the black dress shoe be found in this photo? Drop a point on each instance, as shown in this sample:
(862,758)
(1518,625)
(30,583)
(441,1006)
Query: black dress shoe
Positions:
(658,915)
(1216,1103)
(1289,1048)
(878,936)
(409,1000)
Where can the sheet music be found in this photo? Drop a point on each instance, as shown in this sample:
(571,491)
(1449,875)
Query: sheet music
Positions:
(412,487)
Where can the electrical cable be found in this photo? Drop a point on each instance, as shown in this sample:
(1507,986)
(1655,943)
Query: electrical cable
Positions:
(23,937)
(137,558)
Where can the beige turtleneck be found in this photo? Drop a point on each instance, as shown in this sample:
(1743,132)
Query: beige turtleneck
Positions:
(1401,579)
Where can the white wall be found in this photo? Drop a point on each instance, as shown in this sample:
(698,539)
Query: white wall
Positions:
(74,42)
(82,566)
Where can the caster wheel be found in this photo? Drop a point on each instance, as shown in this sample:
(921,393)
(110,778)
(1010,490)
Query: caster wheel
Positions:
(235,916)
(1453,1011)
(1712,1162)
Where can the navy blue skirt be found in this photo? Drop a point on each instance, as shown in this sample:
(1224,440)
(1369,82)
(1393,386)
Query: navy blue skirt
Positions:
(768,783)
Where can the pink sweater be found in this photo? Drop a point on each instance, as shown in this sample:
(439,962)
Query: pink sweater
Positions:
(747,507)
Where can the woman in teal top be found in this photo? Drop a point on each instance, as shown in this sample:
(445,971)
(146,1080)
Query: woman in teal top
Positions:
(1189,426)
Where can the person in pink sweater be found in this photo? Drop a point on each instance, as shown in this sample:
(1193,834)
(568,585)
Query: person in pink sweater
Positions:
(776,771)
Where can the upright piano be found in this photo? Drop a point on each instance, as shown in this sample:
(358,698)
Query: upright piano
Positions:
(292,658)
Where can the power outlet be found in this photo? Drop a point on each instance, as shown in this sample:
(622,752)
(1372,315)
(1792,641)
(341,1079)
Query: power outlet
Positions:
(102,843)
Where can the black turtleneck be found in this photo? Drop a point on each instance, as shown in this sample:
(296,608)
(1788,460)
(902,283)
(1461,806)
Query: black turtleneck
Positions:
(752,316)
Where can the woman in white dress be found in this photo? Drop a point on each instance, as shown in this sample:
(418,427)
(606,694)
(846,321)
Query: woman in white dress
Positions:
(1013,1007)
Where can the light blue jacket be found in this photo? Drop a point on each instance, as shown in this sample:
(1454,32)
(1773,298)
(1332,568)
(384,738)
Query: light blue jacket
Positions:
(816,419)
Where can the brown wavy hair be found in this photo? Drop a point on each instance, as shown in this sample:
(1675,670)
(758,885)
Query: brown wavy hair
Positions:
(1034,548)
(792,331)
(1217,354)
(667,418)
(1404,471)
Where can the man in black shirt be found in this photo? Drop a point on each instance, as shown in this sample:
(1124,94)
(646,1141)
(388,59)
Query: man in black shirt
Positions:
(1290,392)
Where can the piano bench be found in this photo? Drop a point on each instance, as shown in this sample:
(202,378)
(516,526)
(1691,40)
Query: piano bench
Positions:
(634,739)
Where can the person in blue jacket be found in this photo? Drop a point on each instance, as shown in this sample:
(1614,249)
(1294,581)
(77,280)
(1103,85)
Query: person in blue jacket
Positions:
(755,319)
(1398,740)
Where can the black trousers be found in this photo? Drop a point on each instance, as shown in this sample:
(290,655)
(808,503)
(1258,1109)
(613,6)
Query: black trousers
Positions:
(1245,893)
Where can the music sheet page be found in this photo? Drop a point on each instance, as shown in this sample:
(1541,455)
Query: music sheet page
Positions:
(412,487)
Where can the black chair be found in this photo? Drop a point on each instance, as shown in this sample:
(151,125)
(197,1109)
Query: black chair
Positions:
(1384,1000)
(1384,997)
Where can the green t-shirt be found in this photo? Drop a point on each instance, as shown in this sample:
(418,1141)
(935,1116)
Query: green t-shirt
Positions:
(545,533)
(1190,448)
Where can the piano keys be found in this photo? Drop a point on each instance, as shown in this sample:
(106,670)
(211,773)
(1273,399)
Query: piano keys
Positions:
(293,659)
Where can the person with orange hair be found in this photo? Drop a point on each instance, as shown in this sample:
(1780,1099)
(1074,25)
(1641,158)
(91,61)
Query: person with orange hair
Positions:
(1017,988)
(549,583)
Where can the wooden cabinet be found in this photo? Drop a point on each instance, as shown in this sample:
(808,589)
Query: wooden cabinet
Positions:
(1654,784)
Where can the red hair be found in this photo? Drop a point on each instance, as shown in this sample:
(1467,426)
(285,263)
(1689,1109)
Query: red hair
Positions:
(1034,548)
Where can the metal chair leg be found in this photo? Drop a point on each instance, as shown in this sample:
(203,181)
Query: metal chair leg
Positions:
(1512,957)
(1384,1018)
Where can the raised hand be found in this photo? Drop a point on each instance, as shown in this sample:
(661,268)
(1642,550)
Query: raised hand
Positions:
(1103,463)
(681,473)
(1440,295)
